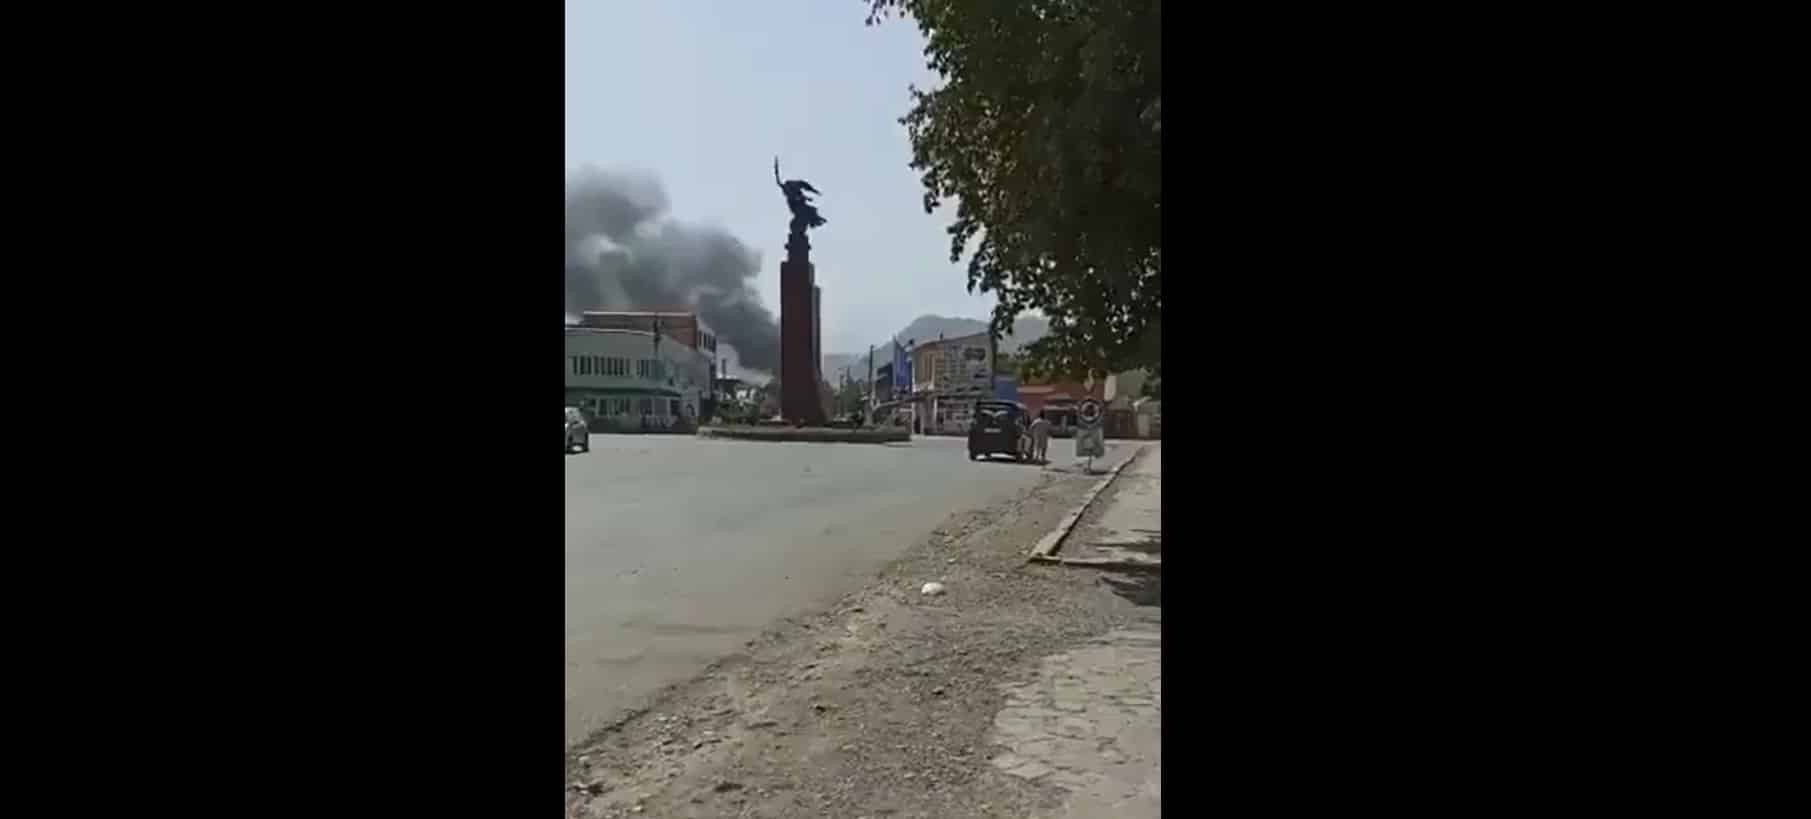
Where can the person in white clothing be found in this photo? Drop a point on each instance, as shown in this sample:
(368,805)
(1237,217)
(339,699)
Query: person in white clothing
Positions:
(1040,438)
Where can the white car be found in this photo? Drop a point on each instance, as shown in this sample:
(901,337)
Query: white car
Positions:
(578,433)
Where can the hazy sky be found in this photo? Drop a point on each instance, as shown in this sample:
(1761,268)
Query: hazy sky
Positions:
(704,93)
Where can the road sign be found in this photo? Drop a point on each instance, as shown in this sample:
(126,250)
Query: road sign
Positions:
(1088,413)
(1090,443)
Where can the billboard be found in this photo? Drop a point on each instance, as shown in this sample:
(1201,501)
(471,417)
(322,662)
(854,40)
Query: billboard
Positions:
(964,367)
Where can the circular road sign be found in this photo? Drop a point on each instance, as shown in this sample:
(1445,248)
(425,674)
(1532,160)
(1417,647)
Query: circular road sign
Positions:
(1088,413)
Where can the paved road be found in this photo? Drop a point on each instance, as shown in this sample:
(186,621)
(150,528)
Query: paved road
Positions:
(680,549)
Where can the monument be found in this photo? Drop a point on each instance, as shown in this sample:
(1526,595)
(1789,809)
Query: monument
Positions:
(799,402)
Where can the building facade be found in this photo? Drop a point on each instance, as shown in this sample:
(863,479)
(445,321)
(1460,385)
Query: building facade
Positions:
(641,369)
(687,328)
(1058,401)
(948,376)
(882,389)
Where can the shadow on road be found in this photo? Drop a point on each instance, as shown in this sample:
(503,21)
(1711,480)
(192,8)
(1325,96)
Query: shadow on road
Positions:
(1002,459)
(1141,589)
(1151,545)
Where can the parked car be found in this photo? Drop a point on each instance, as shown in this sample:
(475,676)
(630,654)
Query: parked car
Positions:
(578,433)
(997,430)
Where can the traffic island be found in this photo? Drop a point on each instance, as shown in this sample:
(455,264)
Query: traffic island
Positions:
(815,435)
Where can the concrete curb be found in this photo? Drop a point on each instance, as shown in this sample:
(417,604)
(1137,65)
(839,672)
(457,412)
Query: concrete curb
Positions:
(1048,544)
(819,435)
(1101,563)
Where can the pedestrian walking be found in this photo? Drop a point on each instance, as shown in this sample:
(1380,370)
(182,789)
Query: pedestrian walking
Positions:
(1040,438)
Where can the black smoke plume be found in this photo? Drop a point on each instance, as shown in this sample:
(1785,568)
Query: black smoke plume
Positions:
(624,252)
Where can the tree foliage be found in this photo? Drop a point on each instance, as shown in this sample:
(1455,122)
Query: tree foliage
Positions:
(1007,364)
(1046,132)
(850,395)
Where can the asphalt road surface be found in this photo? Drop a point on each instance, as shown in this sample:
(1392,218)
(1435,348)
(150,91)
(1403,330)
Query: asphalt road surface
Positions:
(680,549)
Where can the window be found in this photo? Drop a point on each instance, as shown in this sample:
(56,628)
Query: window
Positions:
(647,406)
(673,407)
(600,365)
(610,365)
(574,361)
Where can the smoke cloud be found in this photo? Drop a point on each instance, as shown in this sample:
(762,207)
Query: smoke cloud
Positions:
(624,252)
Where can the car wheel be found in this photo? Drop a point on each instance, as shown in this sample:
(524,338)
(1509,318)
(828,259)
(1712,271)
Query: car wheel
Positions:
(973,455)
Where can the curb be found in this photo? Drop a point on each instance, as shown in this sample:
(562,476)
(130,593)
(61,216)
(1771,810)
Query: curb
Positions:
(1049,543)
(1101,563)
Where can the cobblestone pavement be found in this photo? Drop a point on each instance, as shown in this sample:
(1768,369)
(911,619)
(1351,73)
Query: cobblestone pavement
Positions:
(1089,724)
(1126,523)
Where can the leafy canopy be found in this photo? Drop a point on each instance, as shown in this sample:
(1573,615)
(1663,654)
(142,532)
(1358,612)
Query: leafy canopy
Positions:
(1046,133)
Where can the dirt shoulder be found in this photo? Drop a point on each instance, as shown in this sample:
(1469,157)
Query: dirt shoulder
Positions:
(880,705)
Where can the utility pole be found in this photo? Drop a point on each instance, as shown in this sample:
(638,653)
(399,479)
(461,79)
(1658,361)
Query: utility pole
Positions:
(993,361)
(870,384)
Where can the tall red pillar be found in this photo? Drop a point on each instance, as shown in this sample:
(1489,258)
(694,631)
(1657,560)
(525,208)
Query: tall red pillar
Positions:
(798,373)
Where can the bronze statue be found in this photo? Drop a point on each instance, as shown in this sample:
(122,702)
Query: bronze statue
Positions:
(804,214)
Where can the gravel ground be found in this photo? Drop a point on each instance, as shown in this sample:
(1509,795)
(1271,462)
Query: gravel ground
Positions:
(879,706)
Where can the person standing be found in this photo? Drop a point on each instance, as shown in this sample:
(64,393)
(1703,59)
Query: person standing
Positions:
(1040,438)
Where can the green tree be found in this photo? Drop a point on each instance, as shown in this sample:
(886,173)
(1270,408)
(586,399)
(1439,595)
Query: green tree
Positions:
(1046,132)
(849,396)
(1006,364)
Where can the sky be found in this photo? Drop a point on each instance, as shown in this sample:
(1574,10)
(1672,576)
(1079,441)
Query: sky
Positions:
(704,94)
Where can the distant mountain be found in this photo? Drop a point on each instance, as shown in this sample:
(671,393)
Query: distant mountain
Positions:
(1025,330)
(927,327)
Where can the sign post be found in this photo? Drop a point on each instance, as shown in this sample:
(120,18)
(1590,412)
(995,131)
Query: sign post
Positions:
(1089,437)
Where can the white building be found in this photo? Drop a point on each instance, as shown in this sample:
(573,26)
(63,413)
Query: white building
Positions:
(623,376)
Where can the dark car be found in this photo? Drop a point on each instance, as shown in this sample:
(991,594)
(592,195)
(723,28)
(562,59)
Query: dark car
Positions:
(997,429)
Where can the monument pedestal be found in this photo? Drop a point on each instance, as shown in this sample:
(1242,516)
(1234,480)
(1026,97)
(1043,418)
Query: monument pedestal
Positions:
(798,373)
